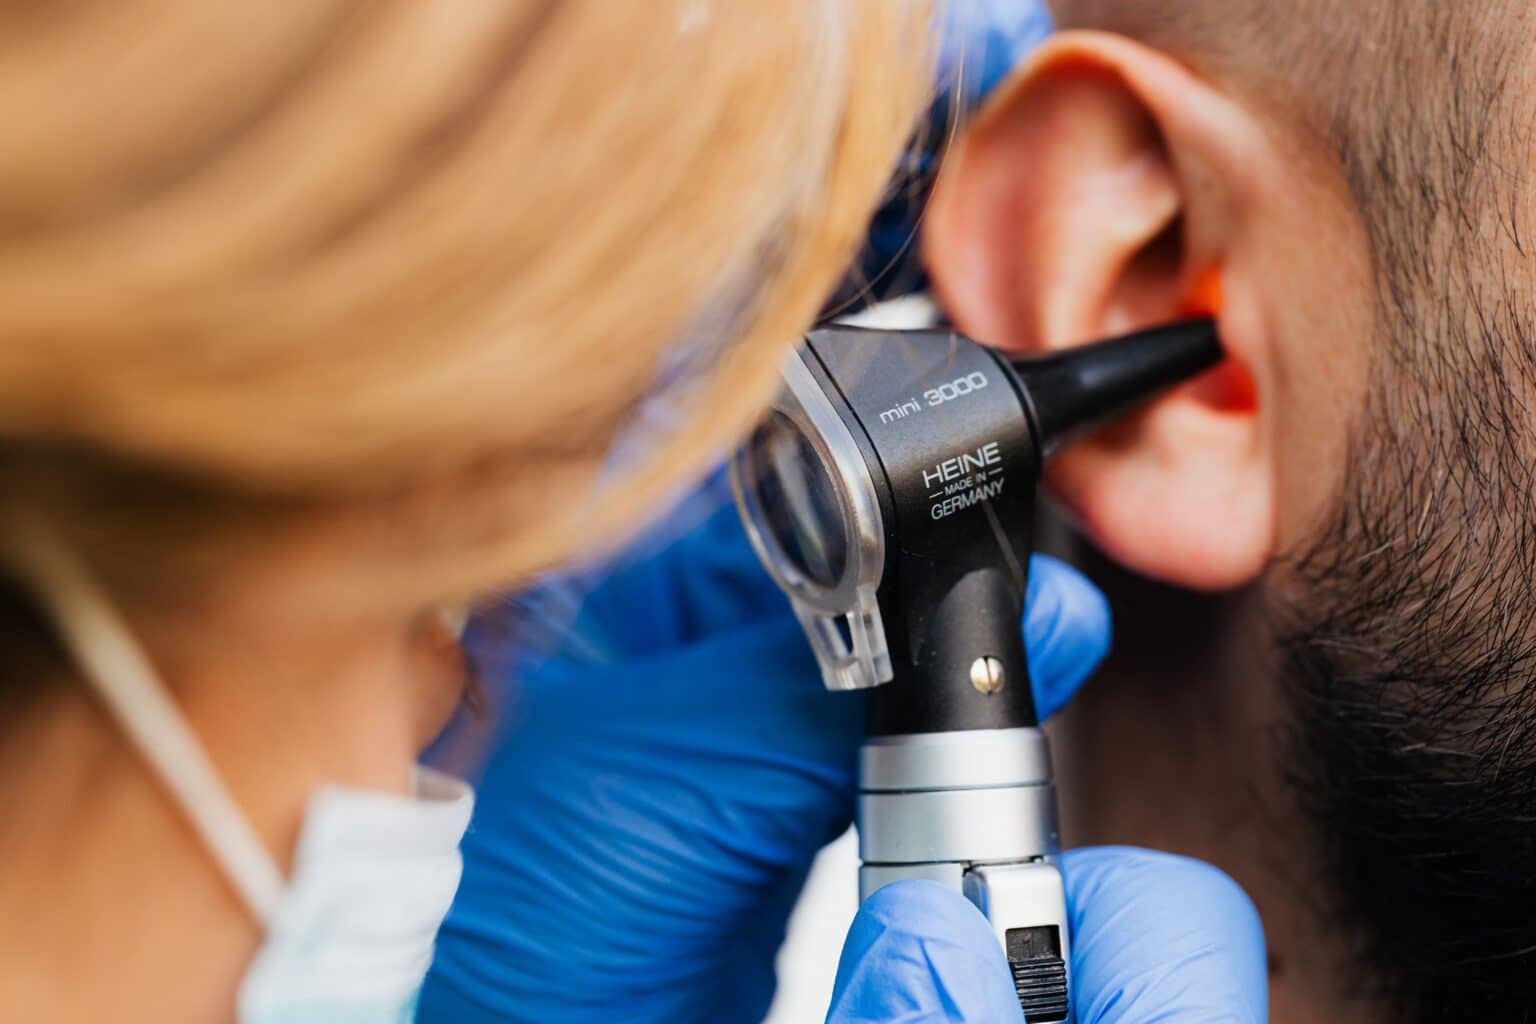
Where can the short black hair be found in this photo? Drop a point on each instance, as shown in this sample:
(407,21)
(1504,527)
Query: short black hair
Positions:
(1401,88)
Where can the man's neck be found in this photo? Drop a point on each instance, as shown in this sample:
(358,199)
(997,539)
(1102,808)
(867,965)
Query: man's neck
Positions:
(1177,745)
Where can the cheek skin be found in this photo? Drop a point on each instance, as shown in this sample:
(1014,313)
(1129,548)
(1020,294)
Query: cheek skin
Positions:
(1315,270)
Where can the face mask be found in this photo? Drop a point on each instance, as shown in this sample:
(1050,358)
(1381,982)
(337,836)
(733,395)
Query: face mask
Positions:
(349,936)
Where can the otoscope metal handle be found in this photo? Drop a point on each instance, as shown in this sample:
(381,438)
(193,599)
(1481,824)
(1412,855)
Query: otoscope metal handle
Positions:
(976,812)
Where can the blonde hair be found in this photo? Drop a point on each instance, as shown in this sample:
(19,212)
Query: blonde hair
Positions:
(415,264)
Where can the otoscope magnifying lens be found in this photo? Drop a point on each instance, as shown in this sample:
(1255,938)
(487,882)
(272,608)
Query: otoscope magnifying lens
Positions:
(797,501)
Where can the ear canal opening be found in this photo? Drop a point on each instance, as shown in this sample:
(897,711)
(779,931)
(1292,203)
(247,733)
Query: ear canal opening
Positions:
(1165,254)
(1149,289)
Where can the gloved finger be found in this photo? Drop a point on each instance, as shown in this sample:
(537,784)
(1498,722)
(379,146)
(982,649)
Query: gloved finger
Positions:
(1165,938)
(1066,632)
(919,953)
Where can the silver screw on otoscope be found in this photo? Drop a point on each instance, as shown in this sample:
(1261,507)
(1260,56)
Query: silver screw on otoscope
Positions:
(987,675)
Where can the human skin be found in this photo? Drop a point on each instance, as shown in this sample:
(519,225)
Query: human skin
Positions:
(1177,746)
(266,706)
(1094,195)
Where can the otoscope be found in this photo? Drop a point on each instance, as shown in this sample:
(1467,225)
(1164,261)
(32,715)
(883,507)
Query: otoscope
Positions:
(890,491)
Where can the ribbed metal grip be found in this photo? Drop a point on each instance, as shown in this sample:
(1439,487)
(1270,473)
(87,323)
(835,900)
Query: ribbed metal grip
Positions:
(1042,988)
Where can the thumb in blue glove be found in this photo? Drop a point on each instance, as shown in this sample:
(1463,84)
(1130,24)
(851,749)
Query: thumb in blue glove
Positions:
(1164,938)
(919,952)
(1155,938)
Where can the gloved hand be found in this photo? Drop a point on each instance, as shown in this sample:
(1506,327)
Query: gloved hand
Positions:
(660,787)
(1154,938)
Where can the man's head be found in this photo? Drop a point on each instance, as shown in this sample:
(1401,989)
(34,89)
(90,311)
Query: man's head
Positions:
(1355,171)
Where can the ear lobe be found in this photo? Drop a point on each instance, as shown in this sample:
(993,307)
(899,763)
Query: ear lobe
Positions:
(1083,205)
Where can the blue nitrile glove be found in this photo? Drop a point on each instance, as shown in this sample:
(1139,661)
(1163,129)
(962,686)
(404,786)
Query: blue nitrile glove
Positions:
(659,789)
(1154,938)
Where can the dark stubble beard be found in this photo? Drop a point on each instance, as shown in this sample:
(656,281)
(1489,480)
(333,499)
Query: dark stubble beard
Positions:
(1406,650)
(1407,641)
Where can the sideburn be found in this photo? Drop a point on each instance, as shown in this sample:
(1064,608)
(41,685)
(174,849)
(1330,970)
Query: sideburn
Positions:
(1408,652)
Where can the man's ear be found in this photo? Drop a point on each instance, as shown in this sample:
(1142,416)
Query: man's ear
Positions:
(1103,190)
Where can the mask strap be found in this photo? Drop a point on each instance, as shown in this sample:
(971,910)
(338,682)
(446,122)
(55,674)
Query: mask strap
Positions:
(119,671)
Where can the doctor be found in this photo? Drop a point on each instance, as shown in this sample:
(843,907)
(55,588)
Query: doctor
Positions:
(316,319)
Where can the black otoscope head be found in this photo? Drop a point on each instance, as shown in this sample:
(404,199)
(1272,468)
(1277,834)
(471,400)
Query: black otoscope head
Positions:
(960,578)
(892,494)
(1083,388)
